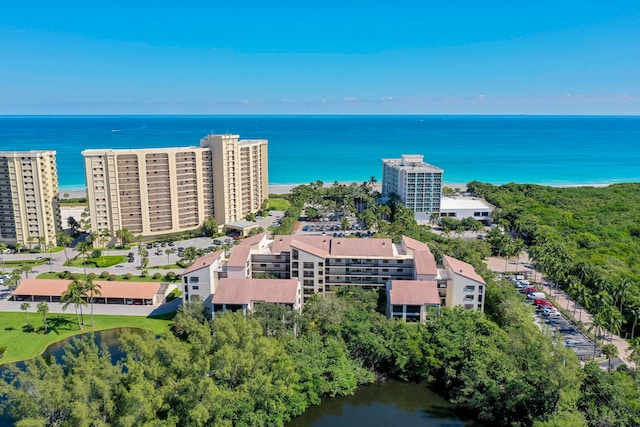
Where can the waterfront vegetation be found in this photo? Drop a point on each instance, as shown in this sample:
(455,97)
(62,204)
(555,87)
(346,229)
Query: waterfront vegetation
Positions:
(24,338)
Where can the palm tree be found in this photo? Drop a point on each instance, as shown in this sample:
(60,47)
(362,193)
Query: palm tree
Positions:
(93,289)
(596,326)
(30,241)
(43,308)
(24,307)
(106,236)
(41,243)
(584,296)
(3,248)
(64,240)
(18,246)
(84,248)
(73,295)
(610,351)
(26,269)
(168,252)
(634,311)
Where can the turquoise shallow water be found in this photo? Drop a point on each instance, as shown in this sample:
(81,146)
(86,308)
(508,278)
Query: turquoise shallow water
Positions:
(553,150)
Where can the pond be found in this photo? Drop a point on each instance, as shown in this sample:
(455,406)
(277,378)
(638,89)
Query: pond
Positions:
(110,338)
(385,404)
(376,405)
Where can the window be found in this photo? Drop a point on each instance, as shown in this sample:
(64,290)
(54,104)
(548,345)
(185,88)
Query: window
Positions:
(468,297)
(476,214)
(469,288)
(193,279)
(195,288)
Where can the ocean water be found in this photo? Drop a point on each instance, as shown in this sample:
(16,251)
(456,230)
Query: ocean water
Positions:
(552,150)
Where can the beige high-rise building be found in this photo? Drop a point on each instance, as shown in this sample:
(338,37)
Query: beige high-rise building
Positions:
(158,191)
(29,207)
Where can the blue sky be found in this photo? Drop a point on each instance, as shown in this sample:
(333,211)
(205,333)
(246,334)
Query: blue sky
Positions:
(329,57)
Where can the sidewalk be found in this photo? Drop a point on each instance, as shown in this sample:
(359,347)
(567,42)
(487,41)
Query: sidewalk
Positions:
(522,265)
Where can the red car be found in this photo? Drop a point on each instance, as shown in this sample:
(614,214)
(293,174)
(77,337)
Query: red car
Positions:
(543,303)
(529,290)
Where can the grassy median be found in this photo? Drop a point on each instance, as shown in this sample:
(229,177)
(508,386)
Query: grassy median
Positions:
(23,345)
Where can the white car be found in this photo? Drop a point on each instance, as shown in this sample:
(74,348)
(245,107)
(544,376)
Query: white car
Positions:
(550,312)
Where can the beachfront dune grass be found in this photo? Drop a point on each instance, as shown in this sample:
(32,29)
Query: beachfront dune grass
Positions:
(22,345)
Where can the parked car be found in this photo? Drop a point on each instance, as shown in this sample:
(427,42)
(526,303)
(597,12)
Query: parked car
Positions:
(536,295)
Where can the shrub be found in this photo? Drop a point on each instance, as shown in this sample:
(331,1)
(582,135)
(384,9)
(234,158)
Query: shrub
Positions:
(176,293)
(183,263)
(171,275)
(112,277)
(157,276)
(96,254)
(64,274)
(3,349)
(104,275)
(75,276)
(128,276)
(92,276)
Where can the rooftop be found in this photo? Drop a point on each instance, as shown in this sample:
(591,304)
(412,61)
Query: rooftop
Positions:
(453,203)
(243,291)
(54,287)
(204,261)
(463,269)
(414,292)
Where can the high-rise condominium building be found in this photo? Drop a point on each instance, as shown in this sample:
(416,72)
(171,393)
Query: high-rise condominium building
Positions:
(157,191)
(418,184)
(29,208)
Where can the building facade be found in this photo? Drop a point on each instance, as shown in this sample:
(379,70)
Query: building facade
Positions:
(29,207)
(158,191)
(418,184)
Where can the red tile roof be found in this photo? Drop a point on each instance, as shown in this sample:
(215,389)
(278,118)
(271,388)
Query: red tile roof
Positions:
(253,240)
(243,291)
(281,244)
(414,244)
(425,262)
(204,261)
(463,269)
(376,248)
(239,256)
(414,292)
(318,245)
(53,287)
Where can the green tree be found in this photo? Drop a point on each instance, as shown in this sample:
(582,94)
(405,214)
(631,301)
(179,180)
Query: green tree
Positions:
(610,351)
(190,253)
(168,252)
(74,295)
(94,289)
(43,308)
(64,240)
(3,248)
(25,307)
(84,248)
(210,227)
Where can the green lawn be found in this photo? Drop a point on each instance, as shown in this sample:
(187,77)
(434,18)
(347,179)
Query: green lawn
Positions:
(100,262)
(278,204)
(27,345)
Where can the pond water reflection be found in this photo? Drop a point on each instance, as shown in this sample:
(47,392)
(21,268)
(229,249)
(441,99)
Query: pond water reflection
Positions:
(385,404)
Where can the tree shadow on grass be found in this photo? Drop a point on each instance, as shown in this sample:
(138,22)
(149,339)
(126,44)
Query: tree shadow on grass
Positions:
(10,328)
(55,323)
